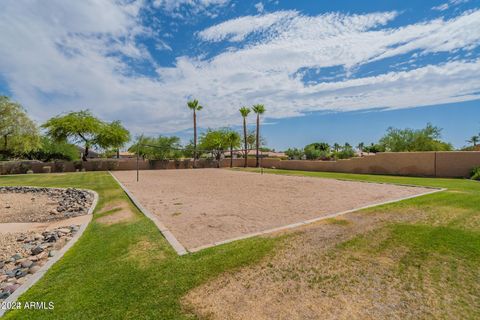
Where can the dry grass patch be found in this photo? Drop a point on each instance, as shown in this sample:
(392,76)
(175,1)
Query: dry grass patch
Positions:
(337,221)
(116,212)
(140,253)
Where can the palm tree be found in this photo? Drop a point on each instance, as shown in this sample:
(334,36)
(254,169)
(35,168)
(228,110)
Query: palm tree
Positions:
(336,147)
(258,109)
(233,139)
(474,140)
(195,106)
(244,111)
(360,146)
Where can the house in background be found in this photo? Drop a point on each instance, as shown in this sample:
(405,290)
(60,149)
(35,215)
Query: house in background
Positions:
(91,154)
(125,155)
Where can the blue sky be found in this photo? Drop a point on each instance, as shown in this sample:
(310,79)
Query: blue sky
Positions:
(335,71)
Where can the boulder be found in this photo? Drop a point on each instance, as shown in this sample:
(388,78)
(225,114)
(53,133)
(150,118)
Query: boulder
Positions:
(37,250)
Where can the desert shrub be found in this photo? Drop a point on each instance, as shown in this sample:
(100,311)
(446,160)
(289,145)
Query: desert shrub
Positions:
(311,153)
(475,173)
(345,153)
(317,150)
(294,154)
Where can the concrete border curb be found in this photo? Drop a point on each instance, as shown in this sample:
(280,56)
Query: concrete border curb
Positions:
(50,262)
(167,234)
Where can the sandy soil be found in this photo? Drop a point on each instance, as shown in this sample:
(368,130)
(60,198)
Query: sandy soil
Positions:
(25,207)
(15,227)
(201,207)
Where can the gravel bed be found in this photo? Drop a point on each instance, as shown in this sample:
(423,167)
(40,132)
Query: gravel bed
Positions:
(30,204)
(23,254)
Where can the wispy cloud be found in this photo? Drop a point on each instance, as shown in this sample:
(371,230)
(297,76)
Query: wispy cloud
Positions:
(178,8)
(446,5)
(259,6)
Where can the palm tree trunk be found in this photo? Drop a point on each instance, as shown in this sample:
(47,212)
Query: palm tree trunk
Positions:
(194,138)
(245,139)
(231,156)
(257,139)
(118,153)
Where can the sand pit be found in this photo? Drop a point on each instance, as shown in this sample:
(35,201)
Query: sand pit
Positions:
(204,207)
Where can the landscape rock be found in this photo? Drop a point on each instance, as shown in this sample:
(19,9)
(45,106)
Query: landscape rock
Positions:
(26,264)
(64,230)
(23,254)
(33,269)
(37,250)
(69,202)
(11,288)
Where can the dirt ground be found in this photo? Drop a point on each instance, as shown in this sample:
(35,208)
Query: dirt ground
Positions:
(24,207)
(201,207)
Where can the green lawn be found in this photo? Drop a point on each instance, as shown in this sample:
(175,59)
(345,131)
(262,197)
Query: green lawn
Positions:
(128,271)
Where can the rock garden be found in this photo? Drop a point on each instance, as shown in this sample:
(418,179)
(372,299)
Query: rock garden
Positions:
(45,216)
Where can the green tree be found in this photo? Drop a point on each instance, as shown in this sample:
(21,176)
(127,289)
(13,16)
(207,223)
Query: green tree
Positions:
(258,109)
(19,134)
(294,154)
(426,139)
(244,111)
(311,153)
(346,152)
(157,148)
(336,147)
(113,135)
(215,142)
(234,141)
(54,150)
(374,148)
(317,150)
(194,106)
(252,139)
(361,146)
(83,127)
(474,140)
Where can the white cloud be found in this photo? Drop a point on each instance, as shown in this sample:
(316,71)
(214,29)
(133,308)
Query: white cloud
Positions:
(174,7)
(162,45)
(446,5)
(75,58)
(441,7)
(237,29)
(259,6)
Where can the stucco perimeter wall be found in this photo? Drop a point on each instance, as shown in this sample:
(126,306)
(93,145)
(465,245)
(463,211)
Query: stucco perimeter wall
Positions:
(423,164)
(457,164)
(19,167)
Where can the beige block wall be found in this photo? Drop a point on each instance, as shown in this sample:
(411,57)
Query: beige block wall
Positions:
(456,164)
(429,164)
(423,164)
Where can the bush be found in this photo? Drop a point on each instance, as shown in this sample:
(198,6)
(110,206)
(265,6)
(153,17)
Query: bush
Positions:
(475,173)
(294,154)
(317,150)
(54,150)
